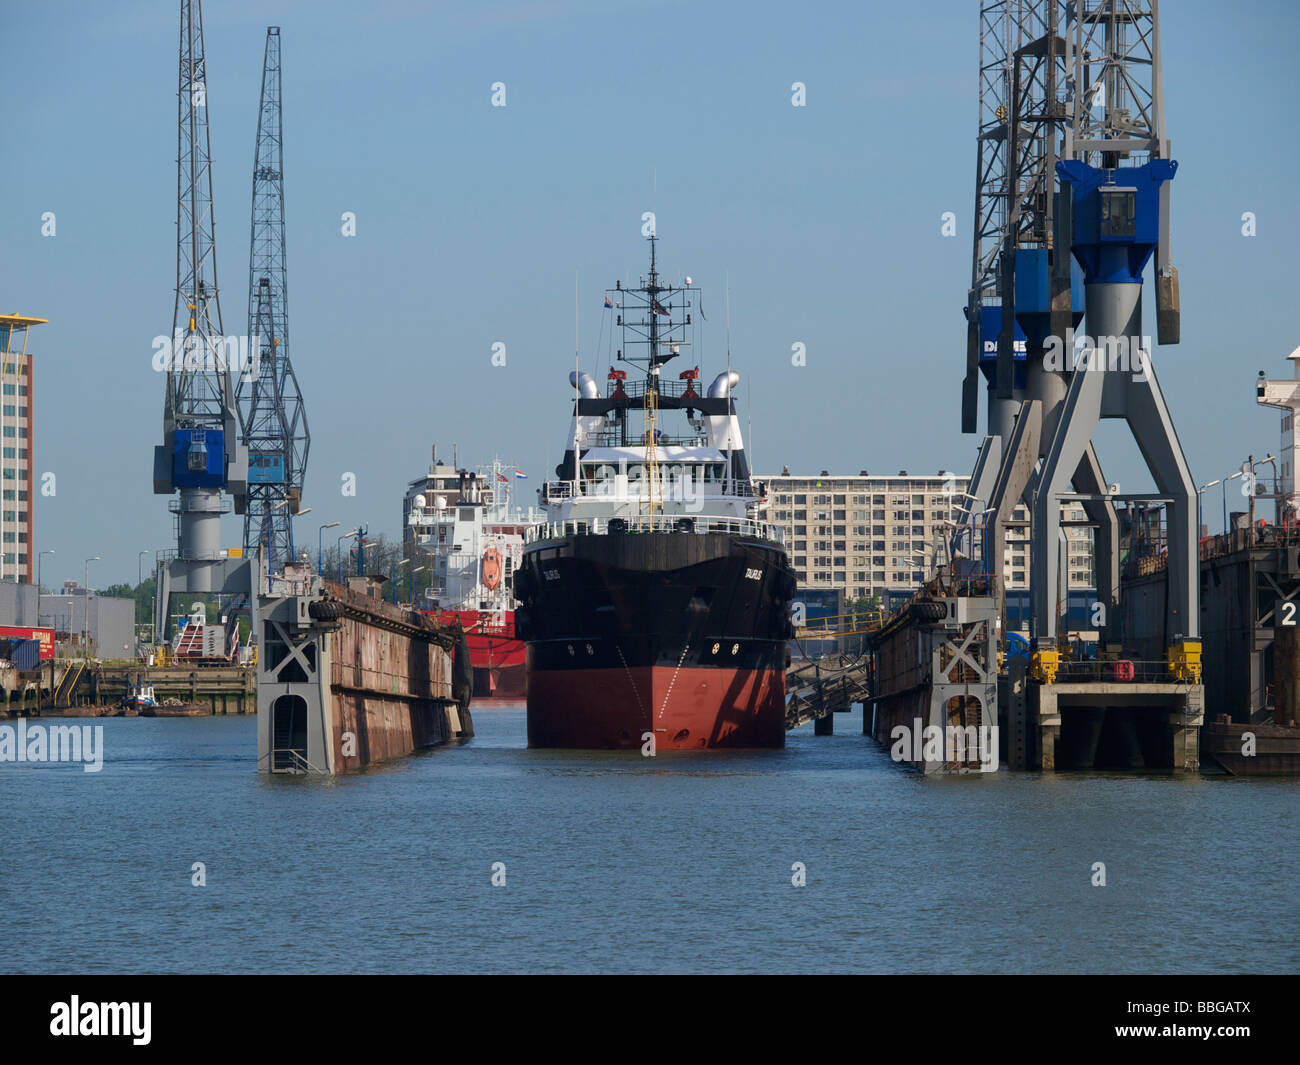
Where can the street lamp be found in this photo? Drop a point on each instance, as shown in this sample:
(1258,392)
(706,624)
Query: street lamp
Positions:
(411,586)
(1199,492)
(976,519)
(1259,462)
(38,622)
(85,602)
(1224,482)
(921,566)
(320,545)
(139,580)
(345,536)
(396,567)
(38,582)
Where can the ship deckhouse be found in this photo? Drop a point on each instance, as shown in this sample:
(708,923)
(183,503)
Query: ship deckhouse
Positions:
(659,452)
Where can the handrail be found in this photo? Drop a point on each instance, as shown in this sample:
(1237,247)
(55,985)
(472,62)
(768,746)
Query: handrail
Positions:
(643,523)
(299,764)
(1111,671)
(73,671)
(593,488)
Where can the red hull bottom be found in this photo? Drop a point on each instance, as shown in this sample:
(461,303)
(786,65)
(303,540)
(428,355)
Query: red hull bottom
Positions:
(685,709)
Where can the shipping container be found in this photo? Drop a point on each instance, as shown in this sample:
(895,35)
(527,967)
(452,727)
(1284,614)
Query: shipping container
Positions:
(23,655)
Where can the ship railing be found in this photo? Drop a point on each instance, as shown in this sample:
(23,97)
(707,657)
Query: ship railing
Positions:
(552,490)
(667,387)
(656,523)
(604,488)
(617,438)
(1114,670)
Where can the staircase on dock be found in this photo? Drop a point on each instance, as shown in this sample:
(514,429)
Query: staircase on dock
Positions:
(822,688)
(71,677)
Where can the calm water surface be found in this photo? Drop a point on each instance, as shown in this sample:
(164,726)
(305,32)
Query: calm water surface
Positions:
(623,864)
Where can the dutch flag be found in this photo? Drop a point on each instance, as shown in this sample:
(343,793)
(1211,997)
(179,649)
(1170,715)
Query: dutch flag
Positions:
(520,473)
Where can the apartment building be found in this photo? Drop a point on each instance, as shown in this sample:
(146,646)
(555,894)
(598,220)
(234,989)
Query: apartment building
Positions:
(17,439)
(879,535)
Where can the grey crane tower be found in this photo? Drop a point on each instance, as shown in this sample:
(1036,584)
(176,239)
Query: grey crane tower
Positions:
(201,456)
(1025,263)
(997,27)
(1113,214)
(274,420)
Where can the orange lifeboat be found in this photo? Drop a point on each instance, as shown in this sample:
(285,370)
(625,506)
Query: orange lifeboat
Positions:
(491,569)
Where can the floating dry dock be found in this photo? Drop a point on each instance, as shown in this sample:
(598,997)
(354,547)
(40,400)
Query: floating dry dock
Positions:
(937,667)
(346,680)
(1250,588)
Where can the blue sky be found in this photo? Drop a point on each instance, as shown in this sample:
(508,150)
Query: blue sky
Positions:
(472,221)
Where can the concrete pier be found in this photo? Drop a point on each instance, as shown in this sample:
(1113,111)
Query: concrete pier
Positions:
(1126,726)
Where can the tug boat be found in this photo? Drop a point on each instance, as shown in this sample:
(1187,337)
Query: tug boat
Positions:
(654,599)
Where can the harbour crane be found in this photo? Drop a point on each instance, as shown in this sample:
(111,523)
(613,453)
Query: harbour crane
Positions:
(273,417)
(1088,173)
(201,457)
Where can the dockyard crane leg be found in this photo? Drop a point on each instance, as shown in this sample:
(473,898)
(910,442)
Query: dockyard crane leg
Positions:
(1089,480)
(1013,477)
(1153,429)
(1015,482)
(1081,413)
(1095,393)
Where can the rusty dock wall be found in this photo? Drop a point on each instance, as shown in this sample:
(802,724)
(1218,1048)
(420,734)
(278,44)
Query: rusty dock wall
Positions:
(936,678)
(346,680)
(1250,618)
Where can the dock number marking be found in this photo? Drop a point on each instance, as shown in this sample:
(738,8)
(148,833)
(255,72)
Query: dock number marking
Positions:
(1288,613)
(753,574)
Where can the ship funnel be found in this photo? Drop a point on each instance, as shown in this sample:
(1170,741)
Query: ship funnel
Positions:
(723,384)
(584,381)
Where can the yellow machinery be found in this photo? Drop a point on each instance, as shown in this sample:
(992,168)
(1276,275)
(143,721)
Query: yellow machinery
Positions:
(1043,665)
(1184,659)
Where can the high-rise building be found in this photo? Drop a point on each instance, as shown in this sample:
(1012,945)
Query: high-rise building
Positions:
(880,536)
(17,438)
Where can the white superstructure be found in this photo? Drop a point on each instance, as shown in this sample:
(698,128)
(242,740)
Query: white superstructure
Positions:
(473,538)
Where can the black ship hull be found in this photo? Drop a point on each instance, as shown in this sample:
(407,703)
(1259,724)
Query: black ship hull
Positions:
(676,635)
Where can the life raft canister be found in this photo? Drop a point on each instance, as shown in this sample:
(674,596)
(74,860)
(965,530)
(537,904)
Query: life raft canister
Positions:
(491,569)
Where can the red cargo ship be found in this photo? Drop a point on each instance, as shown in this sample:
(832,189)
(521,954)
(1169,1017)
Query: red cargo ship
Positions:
(497,655)
(474,539)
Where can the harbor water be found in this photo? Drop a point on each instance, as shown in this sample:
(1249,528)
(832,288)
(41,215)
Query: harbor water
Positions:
(613,862)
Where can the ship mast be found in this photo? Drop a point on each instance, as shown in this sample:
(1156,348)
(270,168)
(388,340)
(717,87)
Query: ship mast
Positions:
(648,340)
(652,387)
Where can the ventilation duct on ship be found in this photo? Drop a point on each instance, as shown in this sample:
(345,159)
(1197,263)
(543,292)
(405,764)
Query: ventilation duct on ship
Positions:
(582,380)
(723,384)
